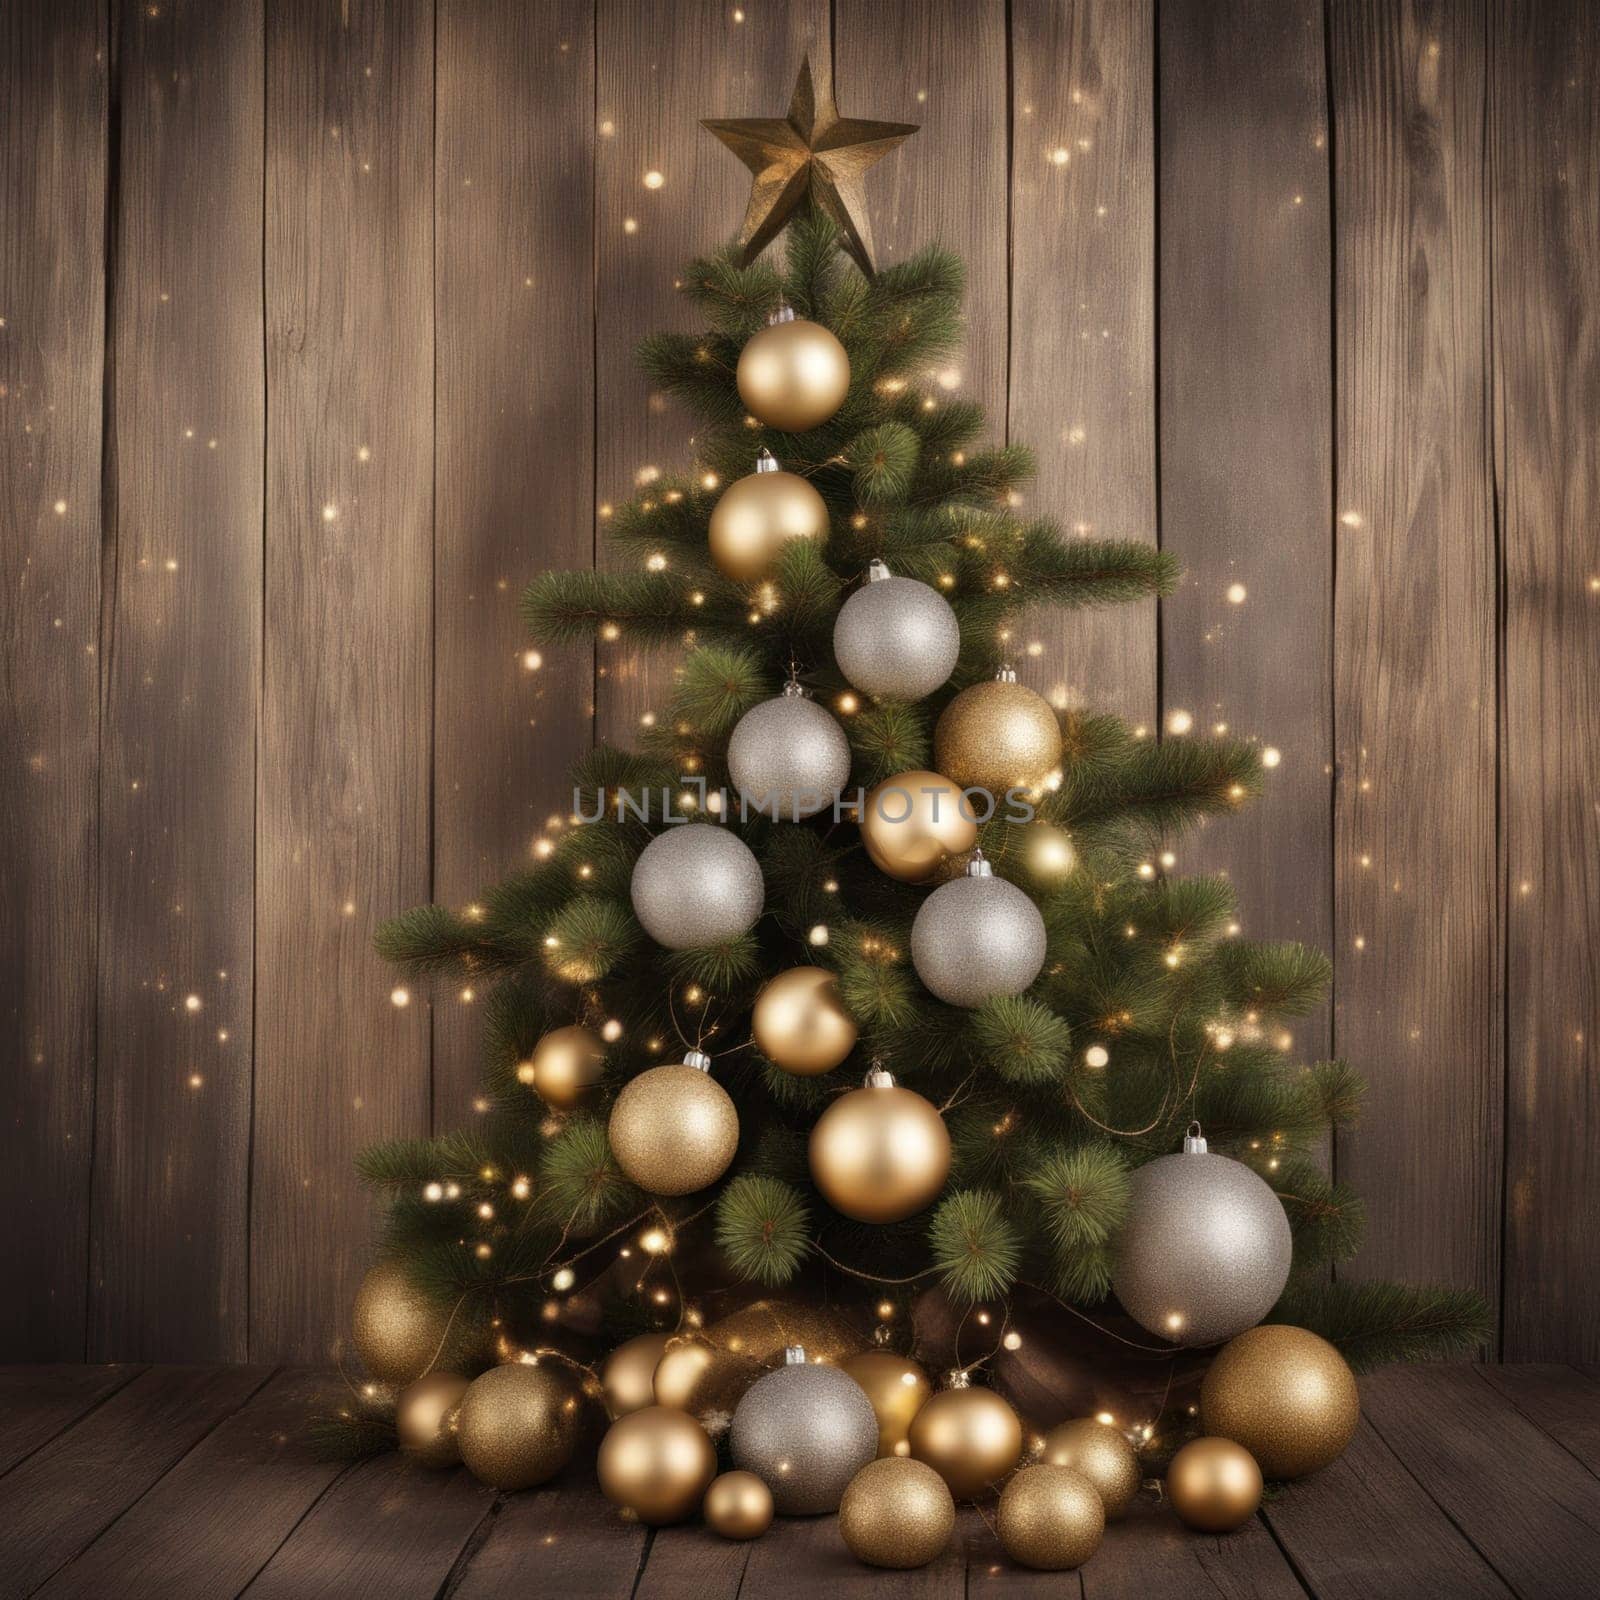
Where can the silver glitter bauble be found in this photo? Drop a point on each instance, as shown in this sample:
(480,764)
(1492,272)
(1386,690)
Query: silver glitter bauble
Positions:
(1205,1251)
(977,937)
(896,637)
(788,758)
(696,884)
(805,1431)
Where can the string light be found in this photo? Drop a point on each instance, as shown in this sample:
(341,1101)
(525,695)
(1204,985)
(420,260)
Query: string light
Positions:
(400,997)
(1179,722)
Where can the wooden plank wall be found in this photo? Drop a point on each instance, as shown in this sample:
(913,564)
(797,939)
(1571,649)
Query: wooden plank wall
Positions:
(315,332)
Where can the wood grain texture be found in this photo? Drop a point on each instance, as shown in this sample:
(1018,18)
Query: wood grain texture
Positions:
(1083,318)
(653,84)
(177,777)
(1562,1401)
(37,1403)
(1246,437)
(514,414)
(344,773)
(62,1496)
(1416,912)
(693,1560)
(811,1558)
(1545,152)
(236,1496)
(53,97)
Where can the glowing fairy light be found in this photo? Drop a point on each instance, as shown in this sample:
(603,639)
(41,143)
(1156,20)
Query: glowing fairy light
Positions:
(1179,722)
(400,998)
(1097,1056)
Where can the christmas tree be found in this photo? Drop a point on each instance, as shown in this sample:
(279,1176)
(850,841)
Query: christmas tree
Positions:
(863,981)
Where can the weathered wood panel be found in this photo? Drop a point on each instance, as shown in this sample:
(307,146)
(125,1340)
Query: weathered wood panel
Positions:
(1246,438)
(654,83)
(1545,149)
(344,771)
(37,1403)
(514,413)
(53,95)
(1083,318)
(177,785)
(1416,945)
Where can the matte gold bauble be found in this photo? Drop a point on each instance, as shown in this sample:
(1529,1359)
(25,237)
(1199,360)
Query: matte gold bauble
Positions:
(674,1129)
(764,1329)
(1286,1395)
(628,1378)
(897,1513)
(425,1418)
(881,1152)
(801,1024)
(757,515)
(401,1333)
(738,1505)
(914,822)
(997,736)
(1214,1485)
(1102,1455)
(969,1436)
(518,1424)
(701,1378)
(897,1389)
(1050,1518)
(656,1463)
(793,375)
(565,1067)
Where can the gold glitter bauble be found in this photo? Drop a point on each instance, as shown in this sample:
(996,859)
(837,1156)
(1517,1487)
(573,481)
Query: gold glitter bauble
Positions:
(1050,1518)
(656,1463)
(897,1389)
(757,515)
(674,1129)
(565,1067)
(880,1153)
(699,1377)
(425,1418)
(1102,1455)
(914,822)
(793,375)
(1214,1485)
(519,1424)
(738,1505)
(400,1333)
(1286,1395)
(969,1436)
(997,736)
(628,1378)
(897,1513)
(764,1329)
(801,1024)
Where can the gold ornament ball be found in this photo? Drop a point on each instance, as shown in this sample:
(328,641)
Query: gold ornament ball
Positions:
(969,1436)
(697,1376)
(738,1505)
(897,1389)
(518,1424)
(997,736)
(1102,1455)
(656,1463)
(673,1130)
(880,1153)
(425,1418)
(897,1512)
(628,1378)
(400,1333)
(793,375)
(1286,1395)
(1050,1518)
(754,518)
(565,1067)
(801,1024)
(1214,1485)
(914,822)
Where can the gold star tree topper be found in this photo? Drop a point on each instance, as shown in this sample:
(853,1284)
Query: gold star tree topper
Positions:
(813,151)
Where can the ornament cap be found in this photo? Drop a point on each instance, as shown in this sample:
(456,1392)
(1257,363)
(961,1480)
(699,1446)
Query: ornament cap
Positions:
(767,462)
(794,1355)
(794,690)
(697,1059)
(880,1077)
(1006,674)
(979,866)
(1194,1142)
(878,570)
(960,1379)
(784,313)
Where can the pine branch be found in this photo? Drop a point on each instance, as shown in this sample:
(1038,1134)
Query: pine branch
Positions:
(976,1249)
(883,461)
(1374,1324)
(1022,1040)
(761,1229)
(642,607)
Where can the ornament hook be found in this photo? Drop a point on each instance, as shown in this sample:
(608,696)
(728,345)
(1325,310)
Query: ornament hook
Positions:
(1194,1142)
(794,1355)
(697,1059)
(767,462)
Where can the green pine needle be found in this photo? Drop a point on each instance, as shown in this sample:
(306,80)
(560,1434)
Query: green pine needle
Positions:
(1021,1039)
(762,1229)
(581,1184)
(1374,1324)
(976,1249)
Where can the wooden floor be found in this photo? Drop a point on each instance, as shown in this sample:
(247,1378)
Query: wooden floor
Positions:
(118,1483)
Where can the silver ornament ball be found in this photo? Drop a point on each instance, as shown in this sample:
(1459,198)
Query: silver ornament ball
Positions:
(696,884)
(977,937)
(805,1431)
(788,758)
(1206,1248)
(896,637)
